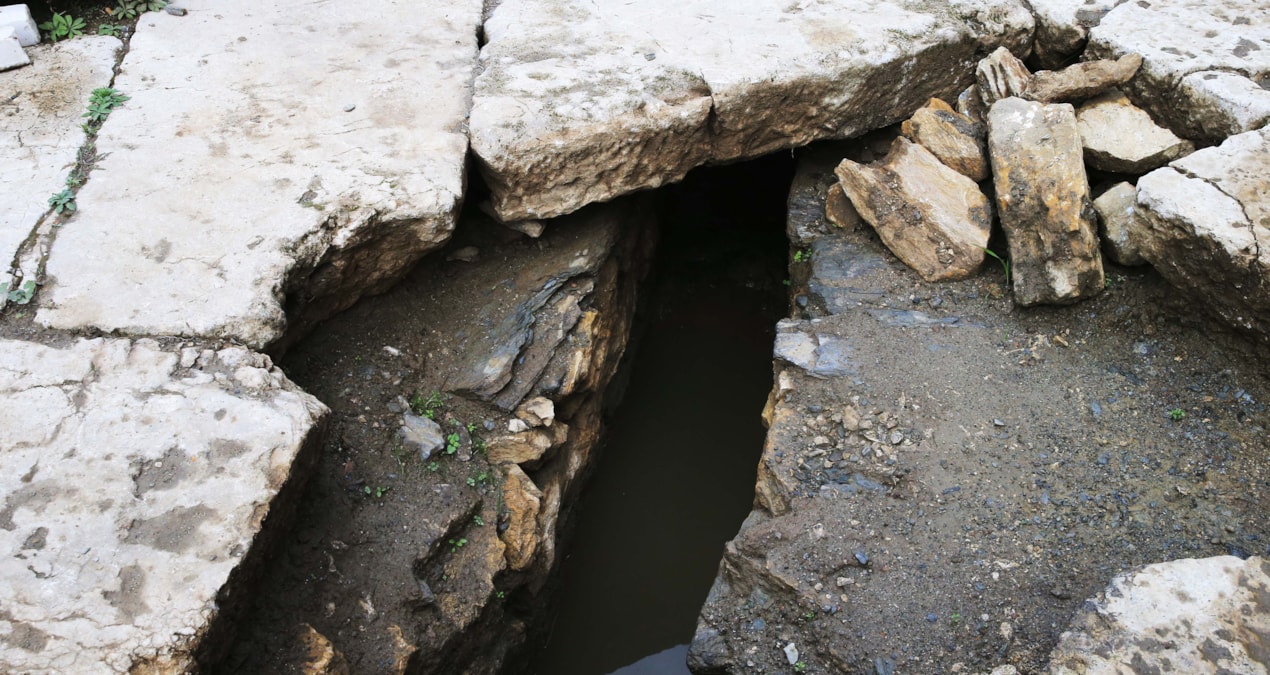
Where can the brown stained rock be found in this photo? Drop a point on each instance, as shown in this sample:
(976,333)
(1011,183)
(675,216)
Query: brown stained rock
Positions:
(523,501)
(1082,80)
(952,137)
(1000,75)
(1121,137)
(321,657)
(934,219)
(1118,226)
(1043,200)
(838,209)
(527,446)
(970,104)
(1207,220)
(1210,613)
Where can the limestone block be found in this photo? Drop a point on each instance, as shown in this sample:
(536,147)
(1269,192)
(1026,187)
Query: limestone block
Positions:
(18,18)
(1000,75)
(1216,50)
(1062,27)
(40,134)
(134,495)
(275,162)
(581,101)
(1207,220)
(11,53)
(1043,200)
(933,218)
(952,137)
(1118,225)
(1082,80)
(1202,616)
(1121,137)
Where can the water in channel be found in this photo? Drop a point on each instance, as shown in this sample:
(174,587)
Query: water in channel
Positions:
(676,474)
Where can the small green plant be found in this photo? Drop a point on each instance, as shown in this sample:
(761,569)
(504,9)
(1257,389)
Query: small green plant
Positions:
(955,618)
(500,595)
(101,103)
(456,544)
(1177,414)
(452,443)
(809,616)
(800,667)
(479,479)
(131,9)
(20,295)
(433,466)
(480,522)
(63,27)
(110,29)
(802,255)
(377,492)
(63,202)
(478,444)
(426,407)
(1005,264)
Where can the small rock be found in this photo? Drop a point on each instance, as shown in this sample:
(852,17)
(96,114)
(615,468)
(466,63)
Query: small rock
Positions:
(12,55)
(838,209)
(1082,80)
(1007,631)
(1001,75)
(932,618)
(1121,232)
(970,104)
(850,418)
(844,581)
(464,254)
(1120,137)
(791,653)
(538,411)
(422,433)
(530,228)
(517,425)
(174,10)
(954,138)
(862,557)
(350,107)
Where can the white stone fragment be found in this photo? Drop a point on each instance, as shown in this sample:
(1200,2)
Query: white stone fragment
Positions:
(11,53)
(18,19)
(128,498)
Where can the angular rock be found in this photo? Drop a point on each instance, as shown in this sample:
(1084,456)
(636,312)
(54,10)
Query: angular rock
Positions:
(40,136)
(1043,201)
(1082,80)
(1121,137)
(527,446)
(422,433)
(1062,28)
(1001,75)
(1121,231)
(136,496)
(838,209)
(1204,65)
(952,137)
(12,55)
(625,96)
(932,217)
(321,656)
(523,501)
(970,104)
(1207,220)
(17,18)
(1184,616)
(252,203)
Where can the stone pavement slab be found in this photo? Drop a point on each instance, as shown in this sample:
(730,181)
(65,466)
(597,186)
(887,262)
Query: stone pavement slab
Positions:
(40,134)
(138,485)
(275,162)
(581,101)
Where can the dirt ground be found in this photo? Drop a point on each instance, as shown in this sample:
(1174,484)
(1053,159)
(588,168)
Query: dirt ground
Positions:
(969,474)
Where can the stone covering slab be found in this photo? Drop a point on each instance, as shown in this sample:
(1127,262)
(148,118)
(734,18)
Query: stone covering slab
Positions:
(1207,228)
(1205,64)
(134,489)
(581,101)
(40,134)
(1201,616)
(275,162)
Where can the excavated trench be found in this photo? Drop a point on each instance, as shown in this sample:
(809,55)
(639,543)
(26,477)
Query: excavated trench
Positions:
(411,563)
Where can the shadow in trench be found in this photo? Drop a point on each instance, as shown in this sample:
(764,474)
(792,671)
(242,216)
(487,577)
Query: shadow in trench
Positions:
(676,474)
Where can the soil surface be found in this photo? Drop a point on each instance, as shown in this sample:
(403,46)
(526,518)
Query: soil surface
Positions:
(954,476)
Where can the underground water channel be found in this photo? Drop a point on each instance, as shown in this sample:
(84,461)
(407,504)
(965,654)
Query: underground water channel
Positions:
(676,472)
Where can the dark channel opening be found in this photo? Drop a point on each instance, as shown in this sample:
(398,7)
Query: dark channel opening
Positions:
(675,476)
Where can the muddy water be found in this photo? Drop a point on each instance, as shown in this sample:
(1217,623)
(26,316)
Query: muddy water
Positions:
(676,474)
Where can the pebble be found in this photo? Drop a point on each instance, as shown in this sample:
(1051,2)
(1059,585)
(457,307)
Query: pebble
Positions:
(791,653)
(175,11)
(350,107)
(862,557)
(932,617)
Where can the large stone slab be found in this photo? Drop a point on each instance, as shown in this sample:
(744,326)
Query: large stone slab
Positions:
(40,134)
(1121,137)
(1207,220)
(1205,65)
(275,162)
(580,101)
(136,487)
(1062,28)
(1044,202)
(1201,616)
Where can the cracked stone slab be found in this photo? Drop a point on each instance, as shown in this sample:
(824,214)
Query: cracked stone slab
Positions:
(581,101)
(136,493)
(275,162)
(1062,27)
(40,134)
(1205,64)
(1193,615)
(1207,228)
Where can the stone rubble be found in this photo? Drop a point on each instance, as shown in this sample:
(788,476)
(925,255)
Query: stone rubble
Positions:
(1119,227)
(1001,75)
(1082,80)
(1121,138)
(954,138)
